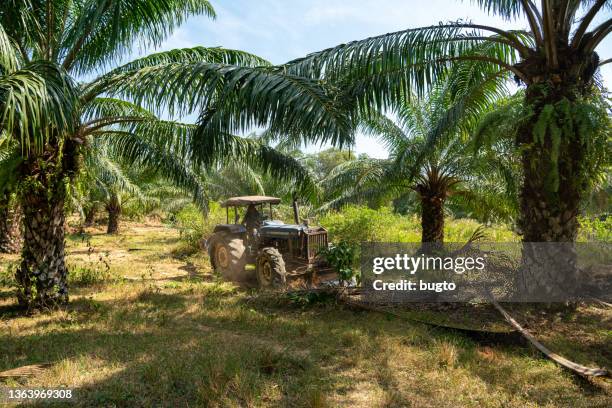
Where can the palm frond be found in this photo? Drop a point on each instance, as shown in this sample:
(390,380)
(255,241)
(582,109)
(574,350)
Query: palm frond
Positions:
(410,60)
(502,120)
(10,160)
(508,9)
(268,160)
(110,108)
(213,55)
(386,130)
(359,180)
(9,57)
(167,63)
(140,151)
(234,99)
(108,175)
(36,101)
(101,32)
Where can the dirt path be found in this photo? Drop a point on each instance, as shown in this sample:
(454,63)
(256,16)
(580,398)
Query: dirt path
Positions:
(140,252)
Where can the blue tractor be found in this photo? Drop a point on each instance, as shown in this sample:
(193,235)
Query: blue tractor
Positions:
(279,251)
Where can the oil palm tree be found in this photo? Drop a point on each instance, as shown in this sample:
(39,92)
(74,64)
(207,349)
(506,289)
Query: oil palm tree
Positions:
(113,193)
(430,170)
(555,59)
(110,183)
(46,46)
(125,155)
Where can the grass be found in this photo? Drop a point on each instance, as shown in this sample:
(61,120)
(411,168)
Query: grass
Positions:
(357,223)
(149,325)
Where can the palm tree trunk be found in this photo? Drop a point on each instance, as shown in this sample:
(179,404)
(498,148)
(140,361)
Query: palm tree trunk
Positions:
(432,217)
(90,216)
(42,274)
(549,208)
(553,186)
(10,226)
(114,211)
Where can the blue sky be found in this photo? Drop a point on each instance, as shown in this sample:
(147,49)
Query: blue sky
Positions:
(280,30)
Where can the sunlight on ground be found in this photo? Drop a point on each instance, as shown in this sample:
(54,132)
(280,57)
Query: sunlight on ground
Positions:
(165,331)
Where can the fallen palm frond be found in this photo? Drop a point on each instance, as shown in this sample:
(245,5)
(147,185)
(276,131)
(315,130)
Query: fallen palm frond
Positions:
(577,368)
(25,371)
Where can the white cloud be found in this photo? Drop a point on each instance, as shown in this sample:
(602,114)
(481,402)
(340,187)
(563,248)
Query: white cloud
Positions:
(331,13)
(181,38)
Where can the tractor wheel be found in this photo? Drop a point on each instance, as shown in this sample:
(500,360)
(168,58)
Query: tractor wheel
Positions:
(271,269)
(228,256)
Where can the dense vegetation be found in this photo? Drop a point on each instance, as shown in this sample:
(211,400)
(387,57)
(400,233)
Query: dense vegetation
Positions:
(51,123)
(492,134)
(57,128)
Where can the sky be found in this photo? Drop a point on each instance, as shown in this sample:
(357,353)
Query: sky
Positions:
(281,30)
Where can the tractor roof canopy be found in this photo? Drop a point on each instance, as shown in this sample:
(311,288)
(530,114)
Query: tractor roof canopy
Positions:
(246,200)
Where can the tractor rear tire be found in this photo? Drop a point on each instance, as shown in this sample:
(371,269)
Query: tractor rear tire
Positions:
(228,256)
(270,269)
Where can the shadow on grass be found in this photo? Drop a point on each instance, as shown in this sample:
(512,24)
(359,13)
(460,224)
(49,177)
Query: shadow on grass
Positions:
(500,373)
(7,294)
(192,270)
(165,357)
(202,346)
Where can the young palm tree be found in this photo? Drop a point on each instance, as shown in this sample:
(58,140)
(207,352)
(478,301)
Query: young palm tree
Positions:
(555,60)
(238,178)
(126,155)
(46,45)
(447,168)
(109,184)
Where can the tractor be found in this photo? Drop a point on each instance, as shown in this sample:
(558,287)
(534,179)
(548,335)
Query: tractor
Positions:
(279,251)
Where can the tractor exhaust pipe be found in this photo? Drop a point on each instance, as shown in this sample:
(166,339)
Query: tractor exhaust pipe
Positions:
(295,210)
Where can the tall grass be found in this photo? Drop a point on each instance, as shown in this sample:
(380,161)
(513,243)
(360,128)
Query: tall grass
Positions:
(355,224)
(595,229)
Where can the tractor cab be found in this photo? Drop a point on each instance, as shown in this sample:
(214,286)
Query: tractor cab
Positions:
(257,210)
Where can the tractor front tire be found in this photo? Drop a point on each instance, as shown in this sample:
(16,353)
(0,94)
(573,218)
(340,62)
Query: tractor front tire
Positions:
(270,269)
(228,256)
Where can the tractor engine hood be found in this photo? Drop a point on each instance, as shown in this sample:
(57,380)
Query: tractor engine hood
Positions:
(278,229)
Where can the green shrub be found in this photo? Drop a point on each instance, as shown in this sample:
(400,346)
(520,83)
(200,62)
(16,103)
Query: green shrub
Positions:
(194,226)
(460,230)
(595,229)
(133,211)
(342,256)
(355,224)
(7,275)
